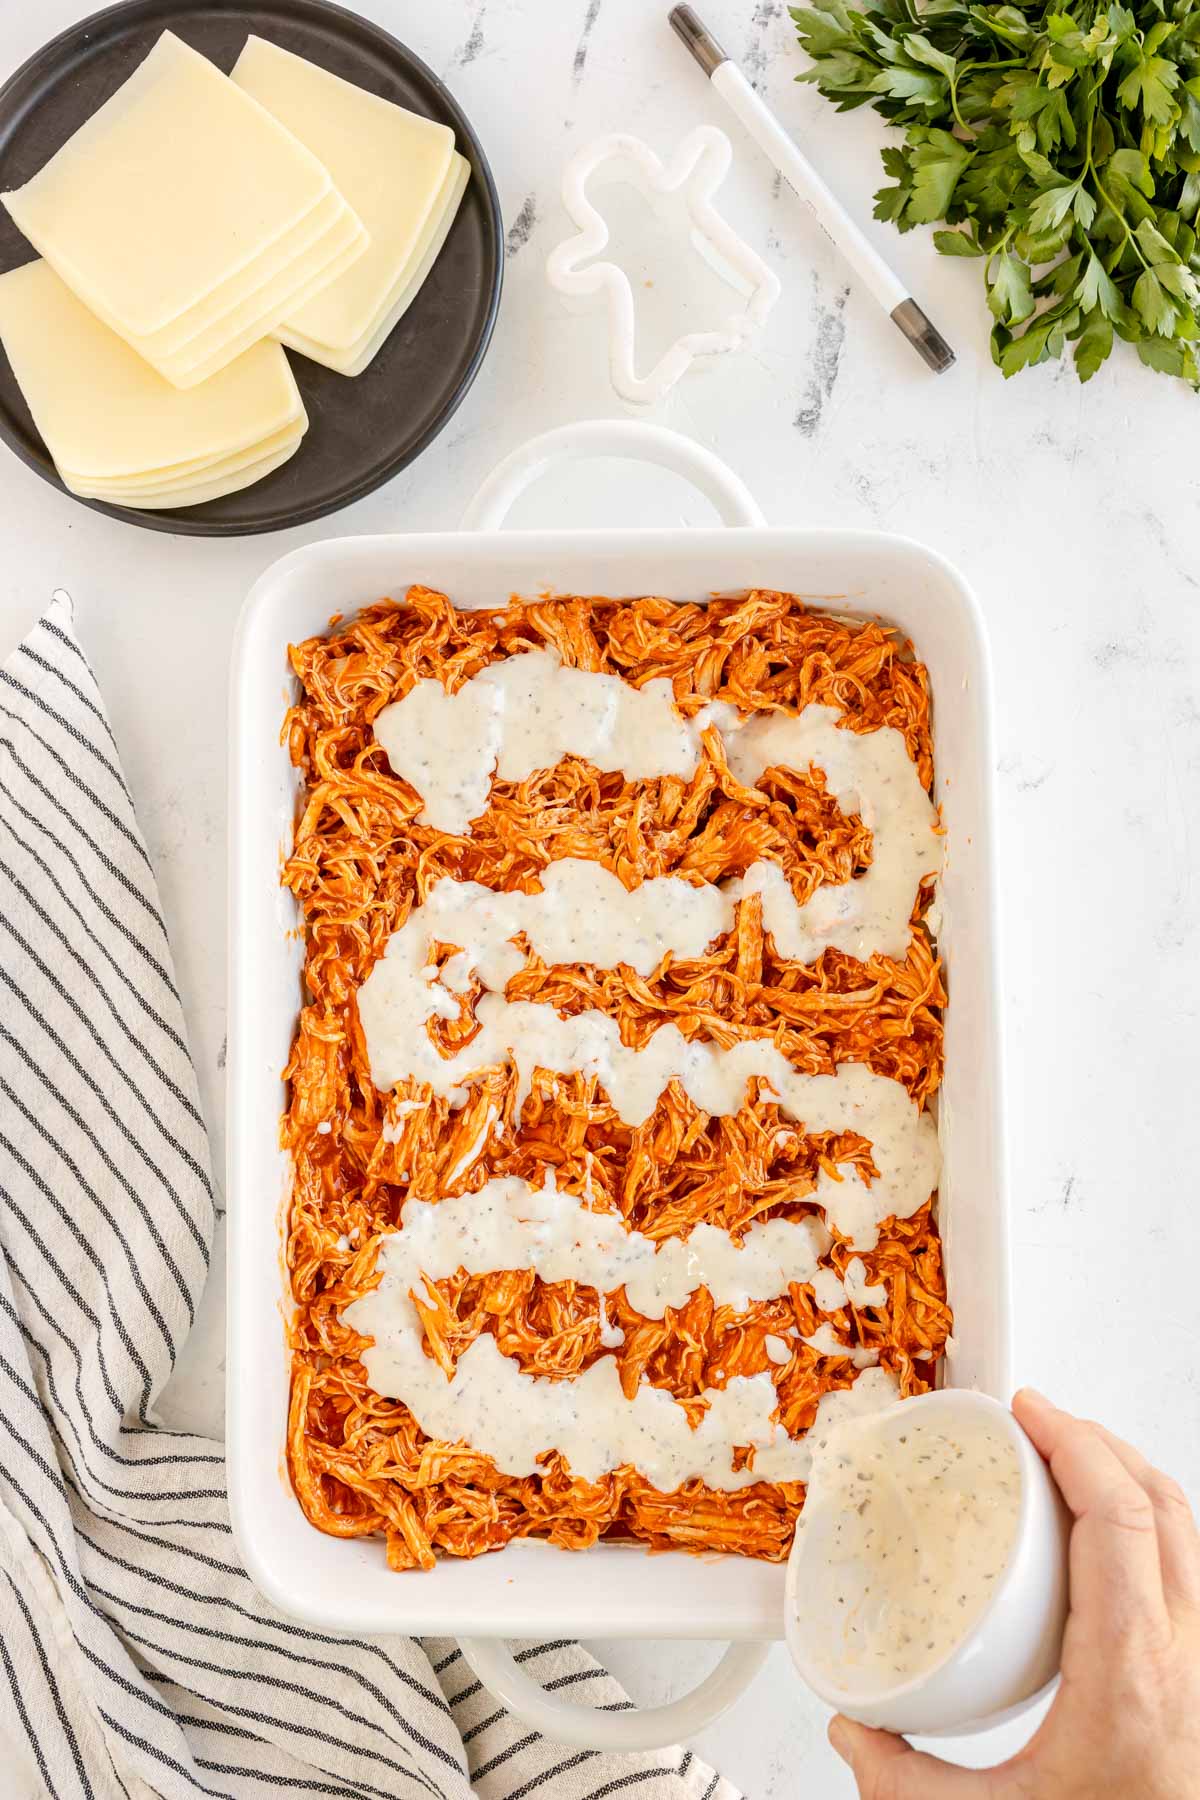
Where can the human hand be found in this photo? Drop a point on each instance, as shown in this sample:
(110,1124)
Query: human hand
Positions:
(1125,1723)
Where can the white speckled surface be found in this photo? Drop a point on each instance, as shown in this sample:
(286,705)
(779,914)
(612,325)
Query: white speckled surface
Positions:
(1073,512)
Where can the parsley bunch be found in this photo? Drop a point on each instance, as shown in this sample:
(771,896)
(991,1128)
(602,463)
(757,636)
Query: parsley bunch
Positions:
(1063,146)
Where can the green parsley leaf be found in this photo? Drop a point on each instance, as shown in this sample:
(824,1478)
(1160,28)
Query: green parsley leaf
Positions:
(821,32)
(1189,117)
(1093,345)
(1031,347)
(1010,295)
(1061,278)
(1084,207)
(1152,304)
(936,166)
(1097,291)
(911,84)
(1170,356)
(1121,23)
(1005,22)
(890,203)
(1150,84)
(922,51)
(957,243)
(1036,247)
(1133,168)
(1051,208)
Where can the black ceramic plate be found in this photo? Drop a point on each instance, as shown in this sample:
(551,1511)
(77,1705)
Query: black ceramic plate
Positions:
(364,430)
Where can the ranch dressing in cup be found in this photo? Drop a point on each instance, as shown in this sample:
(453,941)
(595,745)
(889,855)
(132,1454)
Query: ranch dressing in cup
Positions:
(927,1585)
(920,1526)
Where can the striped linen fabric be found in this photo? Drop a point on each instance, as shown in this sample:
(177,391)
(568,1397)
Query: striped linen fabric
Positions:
(137,1658)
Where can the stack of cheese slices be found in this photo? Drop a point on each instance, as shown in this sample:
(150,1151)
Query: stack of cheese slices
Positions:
(191,227)
(365,143)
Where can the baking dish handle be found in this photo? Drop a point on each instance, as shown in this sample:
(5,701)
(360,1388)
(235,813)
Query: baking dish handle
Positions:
(565,1721)
(629,438)
(586,1727)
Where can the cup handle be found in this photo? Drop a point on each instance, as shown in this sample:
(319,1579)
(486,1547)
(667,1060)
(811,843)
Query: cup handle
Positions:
(630,438)
(588,1728)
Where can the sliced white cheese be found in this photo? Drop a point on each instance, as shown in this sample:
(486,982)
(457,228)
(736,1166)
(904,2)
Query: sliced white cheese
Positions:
(246,288)
(213,488)
(165,481)
(102,411)
(436,229)
(390,164)
(173,187)
(259,316)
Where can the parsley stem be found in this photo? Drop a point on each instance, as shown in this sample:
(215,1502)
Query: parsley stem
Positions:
(1089,168)
(1118,215)
(1015,62)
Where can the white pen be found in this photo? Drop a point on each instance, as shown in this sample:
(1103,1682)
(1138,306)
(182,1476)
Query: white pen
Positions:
(803,179)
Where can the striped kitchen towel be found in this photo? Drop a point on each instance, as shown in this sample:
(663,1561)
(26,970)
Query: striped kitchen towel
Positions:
(138,1659)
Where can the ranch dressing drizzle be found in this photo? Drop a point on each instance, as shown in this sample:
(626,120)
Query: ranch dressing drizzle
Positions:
(525,713)
(580,901)
(917,1527)
(508,1224)
(583,914)
(829,1290)
(826,1341)
(870,774)
(859,1291)
(515,717)
(514,1418)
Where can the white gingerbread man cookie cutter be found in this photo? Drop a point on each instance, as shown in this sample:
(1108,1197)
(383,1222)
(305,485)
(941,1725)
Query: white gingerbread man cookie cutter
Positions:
(696,170)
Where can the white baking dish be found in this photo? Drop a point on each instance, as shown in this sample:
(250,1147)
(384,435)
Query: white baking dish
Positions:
(532,1590)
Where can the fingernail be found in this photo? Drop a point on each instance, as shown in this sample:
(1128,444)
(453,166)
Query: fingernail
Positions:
(1032,1396)
(839,1737)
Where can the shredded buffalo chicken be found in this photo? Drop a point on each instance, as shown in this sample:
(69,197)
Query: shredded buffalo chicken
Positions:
(360,862)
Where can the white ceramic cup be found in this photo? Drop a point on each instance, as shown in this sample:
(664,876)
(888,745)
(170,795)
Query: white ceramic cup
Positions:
(1008,1657)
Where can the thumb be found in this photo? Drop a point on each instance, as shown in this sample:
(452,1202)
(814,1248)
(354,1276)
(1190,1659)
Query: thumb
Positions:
(887,1768)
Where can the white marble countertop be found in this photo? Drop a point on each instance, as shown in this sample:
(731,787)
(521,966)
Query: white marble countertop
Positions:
(1073,511)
